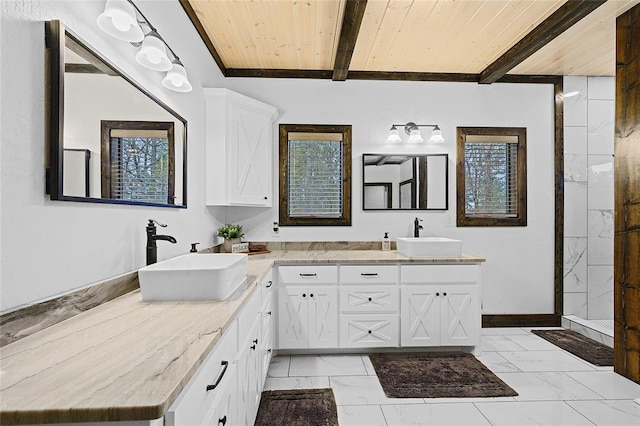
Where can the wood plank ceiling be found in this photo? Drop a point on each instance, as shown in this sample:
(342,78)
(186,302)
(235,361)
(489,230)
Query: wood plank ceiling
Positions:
(456,40)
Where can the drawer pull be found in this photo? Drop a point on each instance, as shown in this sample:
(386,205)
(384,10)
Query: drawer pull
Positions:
(309,275)
(270,284)
(369,274)
(437,294)
(222,421)
(370,299)
(225,365)
(444,294)
(311,295)
(304,294)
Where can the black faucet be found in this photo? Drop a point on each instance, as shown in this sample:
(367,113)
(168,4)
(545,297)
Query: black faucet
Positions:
(417,227)
(152,249)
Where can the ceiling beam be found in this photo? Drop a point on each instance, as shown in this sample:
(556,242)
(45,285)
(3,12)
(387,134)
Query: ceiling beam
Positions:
(561,20)
(193,16)
(353,14)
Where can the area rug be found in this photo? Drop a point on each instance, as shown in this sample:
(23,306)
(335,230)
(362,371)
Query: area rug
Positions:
(581,346)
(298,407)
(437,375)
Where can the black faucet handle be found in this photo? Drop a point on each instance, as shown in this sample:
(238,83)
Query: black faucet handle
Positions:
(152,221)
(193,248)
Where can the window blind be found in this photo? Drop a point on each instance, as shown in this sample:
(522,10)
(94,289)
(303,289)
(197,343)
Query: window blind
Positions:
(491,184)
(139,166)
(315,173)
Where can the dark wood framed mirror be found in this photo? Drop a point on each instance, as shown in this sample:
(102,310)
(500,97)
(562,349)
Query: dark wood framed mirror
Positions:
(405,181)
(135,146)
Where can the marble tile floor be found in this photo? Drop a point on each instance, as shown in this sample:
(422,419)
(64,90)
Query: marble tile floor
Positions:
(554,387)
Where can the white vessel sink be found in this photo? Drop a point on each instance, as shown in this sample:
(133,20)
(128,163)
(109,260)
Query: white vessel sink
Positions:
(210,276)
(429,247)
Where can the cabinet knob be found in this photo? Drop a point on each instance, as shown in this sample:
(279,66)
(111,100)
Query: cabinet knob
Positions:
(437,294)
(255,341)
(444,294)
(269,350)
(304,294)
(311,295)
(269,313)
(369,331)
(252,347)
(266,198)
(222,421)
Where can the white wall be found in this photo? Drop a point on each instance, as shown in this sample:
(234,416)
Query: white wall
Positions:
(49,248)
(518,275)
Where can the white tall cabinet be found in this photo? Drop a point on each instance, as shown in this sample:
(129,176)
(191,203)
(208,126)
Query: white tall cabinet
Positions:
(239,149)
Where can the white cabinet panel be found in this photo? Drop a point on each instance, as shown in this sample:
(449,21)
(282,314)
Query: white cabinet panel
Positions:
(293,314)
(369,331)
(249,374)
(239,148)
(460,315)
(420,316)
(360,299)
(214,379)
(308,275)
(307,317)
(369,274)
(436,274)
(323,317)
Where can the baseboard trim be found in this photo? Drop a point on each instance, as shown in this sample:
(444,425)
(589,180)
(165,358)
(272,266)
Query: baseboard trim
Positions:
(522,320)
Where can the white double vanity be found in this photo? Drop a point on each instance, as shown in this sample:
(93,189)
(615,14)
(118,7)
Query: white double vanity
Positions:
(205,362)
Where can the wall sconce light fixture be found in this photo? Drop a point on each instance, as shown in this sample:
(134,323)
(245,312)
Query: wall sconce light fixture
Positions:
(123,20)
(413,130)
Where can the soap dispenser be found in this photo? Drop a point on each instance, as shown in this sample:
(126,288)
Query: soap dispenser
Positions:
(386,243)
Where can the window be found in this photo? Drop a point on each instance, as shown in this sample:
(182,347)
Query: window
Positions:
(140,162)
(492,176)
(315,175)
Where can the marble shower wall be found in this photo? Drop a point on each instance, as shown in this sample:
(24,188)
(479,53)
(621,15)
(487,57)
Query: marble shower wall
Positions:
(589,125)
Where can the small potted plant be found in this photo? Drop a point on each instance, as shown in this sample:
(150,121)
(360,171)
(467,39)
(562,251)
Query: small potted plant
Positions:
(231,234)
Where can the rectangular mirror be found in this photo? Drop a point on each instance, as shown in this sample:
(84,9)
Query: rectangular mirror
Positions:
(110,141)
(405,181)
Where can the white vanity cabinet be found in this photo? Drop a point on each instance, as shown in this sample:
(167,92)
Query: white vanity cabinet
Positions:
(307,307)
(440,305)
(267,342)
(369,306)
(239,149)
(210,395)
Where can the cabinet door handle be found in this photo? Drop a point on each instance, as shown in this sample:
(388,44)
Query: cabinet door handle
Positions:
(309,275)
(369,274)
(270,284)
(252,347)
(222,421)
(225,365)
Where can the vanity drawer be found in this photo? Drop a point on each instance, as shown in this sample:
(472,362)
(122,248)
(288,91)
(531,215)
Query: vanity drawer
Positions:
(195,401)
(308,274)
(360,299)
(437,274)
(369,331)
(249,315)
(369,274)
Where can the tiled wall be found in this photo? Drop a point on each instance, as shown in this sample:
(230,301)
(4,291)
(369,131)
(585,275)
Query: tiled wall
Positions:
(588,188)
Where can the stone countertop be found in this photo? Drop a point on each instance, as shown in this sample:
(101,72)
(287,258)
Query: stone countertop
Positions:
(128,359)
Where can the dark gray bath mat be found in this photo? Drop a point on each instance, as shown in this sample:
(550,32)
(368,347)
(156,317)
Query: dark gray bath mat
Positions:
(299,407)
(437,375)
(581,346)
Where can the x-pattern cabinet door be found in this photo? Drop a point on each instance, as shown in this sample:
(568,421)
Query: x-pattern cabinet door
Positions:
(250,155)
(420,316)
(323,317)
(293,317)
(460,315)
